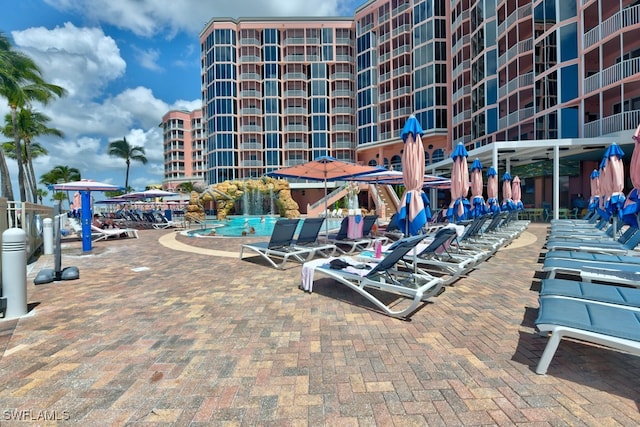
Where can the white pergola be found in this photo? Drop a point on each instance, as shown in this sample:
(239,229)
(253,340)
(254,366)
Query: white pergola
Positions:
(531,151)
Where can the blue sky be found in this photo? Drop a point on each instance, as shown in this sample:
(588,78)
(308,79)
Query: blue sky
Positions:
(124,63)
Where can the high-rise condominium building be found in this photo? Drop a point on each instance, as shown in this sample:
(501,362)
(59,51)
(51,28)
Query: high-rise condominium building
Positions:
(277,92)
(184,142)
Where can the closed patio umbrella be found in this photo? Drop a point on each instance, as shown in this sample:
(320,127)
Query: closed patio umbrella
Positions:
(478,205)
(459,207)
(507,201)
(516,193)
(604,189)
(414,204)
(492,190)
(615,181)
(631,209)
(594,199)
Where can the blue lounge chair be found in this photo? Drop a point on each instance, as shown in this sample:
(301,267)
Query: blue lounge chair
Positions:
(613,326)
(385,276)
(348,246)
(590,256)
(436,257)
(562,288)
(622,246)
(280,246)
(308,239)
(610,272)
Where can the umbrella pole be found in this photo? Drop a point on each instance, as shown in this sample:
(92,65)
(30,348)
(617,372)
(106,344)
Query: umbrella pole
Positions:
(326,207)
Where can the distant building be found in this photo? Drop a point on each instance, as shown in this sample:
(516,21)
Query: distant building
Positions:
(277,92)
(184,142)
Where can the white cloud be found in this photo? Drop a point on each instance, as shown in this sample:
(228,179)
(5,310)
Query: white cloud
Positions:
(149,59)
(82,60)
(150,17)
(85,61)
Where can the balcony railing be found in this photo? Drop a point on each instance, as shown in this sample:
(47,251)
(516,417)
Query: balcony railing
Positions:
(342,110)
(627,120)
(343,144)
(295,76)
(296,128)
(250,128)
(342,127)
(250,58)
(624,18)
(613,74)
(299,145)
(251,111)
(289,41)
(251,146)
(251,163)
(341,76)
(295,110)
(251,94)
(518,14)
(250,41)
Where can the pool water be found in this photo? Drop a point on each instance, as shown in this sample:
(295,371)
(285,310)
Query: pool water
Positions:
(235,225)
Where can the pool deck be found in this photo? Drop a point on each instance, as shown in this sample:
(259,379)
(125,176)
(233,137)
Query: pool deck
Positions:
(171,330)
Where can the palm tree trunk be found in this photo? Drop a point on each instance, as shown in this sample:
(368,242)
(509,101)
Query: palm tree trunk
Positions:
(126,179)
(16,137)
(7,188)
(30,172)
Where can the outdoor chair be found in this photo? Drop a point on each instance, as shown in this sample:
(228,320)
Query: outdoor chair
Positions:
(610,294)
(348,246)
(98,233)
(624,245)
(414,288)
(437,258)
(308,239)
(280,246)
(613,326)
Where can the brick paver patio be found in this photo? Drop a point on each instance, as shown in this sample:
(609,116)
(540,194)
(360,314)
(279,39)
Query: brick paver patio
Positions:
(152,334)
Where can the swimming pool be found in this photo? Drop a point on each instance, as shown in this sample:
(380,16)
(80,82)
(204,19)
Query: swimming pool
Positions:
(235,225)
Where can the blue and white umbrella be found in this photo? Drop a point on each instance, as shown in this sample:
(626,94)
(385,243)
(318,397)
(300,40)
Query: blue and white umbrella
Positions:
(459,207)
(414,205)
(478,205)
(507,200)
(492,190)
(594,200)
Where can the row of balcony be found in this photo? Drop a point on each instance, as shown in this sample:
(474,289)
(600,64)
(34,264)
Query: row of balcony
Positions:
(611,124)
(514,84)
(613,74)
(296,111)
(462,116)
(516,15)
(464,65)
(521,47)
(462,17)
(297,145)
(464,90)
(294,76)
(463,41)
(515,117)
(624,18)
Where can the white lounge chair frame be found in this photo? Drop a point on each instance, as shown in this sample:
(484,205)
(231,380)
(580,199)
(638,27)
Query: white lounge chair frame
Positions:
(558,332)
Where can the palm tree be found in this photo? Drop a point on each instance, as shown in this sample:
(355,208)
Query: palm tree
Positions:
(59,174)
(186,187)
(30,125)
(21,83)
(123,150)
(41,194)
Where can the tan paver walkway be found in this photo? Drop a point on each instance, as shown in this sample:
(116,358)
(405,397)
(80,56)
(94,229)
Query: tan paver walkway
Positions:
(150,335)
